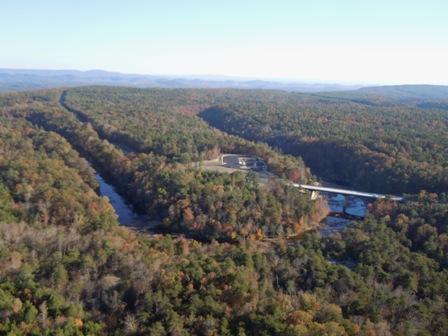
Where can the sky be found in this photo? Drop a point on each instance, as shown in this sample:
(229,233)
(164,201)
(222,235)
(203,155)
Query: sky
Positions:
(338,41)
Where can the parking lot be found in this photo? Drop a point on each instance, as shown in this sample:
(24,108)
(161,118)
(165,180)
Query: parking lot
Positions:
(229,163)
(245,162)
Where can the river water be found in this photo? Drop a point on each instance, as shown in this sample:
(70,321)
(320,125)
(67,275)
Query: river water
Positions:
(354,206)
(127,215)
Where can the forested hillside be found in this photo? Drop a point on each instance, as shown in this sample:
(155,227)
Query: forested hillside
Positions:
(68,268)
(383,140)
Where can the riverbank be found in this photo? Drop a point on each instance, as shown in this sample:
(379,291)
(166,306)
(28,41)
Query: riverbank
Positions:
(127,215)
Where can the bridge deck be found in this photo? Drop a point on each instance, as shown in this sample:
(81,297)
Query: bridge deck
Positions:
(347,192)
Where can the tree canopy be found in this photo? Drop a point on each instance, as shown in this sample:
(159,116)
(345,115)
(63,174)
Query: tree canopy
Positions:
(223,264)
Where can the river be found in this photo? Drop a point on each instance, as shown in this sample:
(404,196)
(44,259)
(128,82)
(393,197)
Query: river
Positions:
(127,215)
(354,206)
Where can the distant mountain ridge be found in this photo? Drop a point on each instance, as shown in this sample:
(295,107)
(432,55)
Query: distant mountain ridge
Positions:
(409,91)
(28,79)
(55,73)
(31,79)
(426,96)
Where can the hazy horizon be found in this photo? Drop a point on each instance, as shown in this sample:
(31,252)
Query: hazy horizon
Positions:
(346,42)
(205,76)
(223,77)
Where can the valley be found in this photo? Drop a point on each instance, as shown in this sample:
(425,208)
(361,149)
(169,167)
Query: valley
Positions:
(69,266)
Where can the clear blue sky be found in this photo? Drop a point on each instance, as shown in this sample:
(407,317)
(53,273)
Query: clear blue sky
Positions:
(362,41)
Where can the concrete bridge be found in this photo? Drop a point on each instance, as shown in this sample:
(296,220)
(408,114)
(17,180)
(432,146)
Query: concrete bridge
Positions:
(347,192)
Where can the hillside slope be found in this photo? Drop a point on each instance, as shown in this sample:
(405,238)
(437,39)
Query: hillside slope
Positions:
(67,268)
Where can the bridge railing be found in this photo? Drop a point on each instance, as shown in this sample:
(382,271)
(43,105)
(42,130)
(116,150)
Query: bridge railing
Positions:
(347,192)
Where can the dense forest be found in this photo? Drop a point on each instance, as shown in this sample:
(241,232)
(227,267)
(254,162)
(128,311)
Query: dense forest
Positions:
(390,141)
(222,264)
